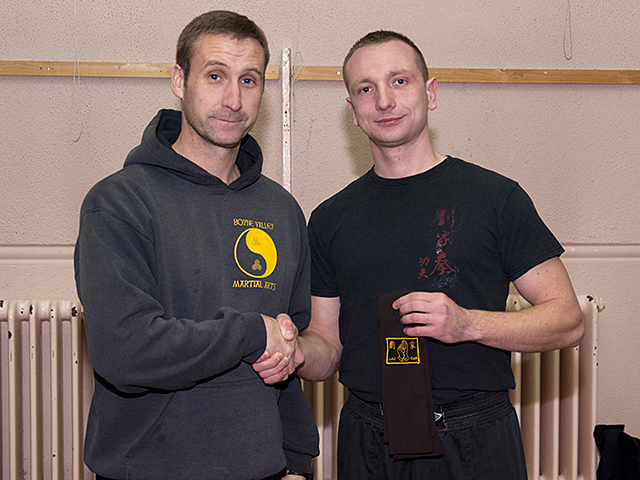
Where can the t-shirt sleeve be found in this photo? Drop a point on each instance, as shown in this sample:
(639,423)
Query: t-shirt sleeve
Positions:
(323,277)
(524,239)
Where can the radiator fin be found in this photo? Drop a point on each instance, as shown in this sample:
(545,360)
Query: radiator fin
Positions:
(46,390)
(555,399)
(46,381)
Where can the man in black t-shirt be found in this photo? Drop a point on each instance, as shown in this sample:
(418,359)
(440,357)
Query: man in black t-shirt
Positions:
(454,235)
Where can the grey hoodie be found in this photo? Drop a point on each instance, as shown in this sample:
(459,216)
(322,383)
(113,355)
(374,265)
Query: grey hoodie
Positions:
(173,268)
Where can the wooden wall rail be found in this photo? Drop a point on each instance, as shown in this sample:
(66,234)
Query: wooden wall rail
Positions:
(488,75)
(495,75)
(447,75)
(97,69)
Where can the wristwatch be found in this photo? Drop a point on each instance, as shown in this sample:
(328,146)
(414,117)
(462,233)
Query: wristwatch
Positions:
(307,476)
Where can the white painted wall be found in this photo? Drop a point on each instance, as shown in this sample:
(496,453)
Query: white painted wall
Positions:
(575,148)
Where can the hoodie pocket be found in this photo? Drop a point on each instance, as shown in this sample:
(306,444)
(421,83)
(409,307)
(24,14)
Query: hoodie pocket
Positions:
(225,430)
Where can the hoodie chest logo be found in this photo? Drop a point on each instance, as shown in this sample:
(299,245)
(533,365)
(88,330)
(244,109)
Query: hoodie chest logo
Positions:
(255,253)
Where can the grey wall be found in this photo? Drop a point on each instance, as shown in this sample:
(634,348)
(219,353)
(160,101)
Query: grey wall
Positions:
(573,147)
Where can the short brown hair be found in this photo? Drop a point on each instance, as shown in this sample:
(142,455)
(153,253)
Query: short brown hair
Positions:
(383,36)
(217,22)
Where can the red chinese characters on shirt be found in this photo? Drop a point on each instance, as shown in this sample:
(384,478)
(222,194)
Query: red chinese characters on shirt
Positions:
(444,222)
(423,267)
(444,238)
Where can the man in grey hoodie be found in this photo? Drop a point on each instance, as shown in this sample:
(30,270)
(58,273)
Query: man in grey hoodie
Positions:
(184,259)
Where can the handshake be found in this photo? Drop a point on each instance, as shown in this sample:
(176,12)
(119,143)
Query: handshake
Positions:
(282,354)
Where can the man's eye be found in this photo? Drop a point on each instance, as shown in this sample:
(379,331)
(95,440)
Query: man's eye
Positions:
(214,76)
(365,89)
(401,81)
(248,81)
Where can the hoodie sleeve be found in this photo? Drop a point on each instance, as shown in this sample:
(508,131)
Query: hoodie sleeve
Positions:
(132,344)
(299,430)
(300,303)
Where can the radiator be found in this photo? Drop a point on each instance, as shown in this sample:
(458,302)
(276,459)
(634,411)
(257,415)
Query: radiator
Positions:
(46,385)
(555,399)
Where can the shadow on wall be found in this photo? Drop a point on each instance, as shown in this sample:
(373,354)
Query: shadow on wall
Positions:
(358,149)
(260,130)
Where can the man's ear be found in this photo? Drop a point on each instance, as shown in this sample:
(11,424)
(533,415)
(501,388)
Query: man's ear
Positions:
(432,89)
(177,81)
(353,112)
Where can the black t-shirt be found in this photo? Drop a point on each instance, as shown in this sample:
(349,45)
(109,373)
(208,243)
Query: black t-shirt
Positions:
(458,229)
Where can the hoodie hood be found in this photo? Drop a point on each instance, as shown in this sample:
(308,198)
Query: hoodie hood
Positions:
(155,149)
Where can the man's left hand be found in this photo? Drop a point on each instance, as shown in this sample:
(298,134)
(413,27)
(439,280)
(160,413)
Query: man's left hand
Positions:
(433,314)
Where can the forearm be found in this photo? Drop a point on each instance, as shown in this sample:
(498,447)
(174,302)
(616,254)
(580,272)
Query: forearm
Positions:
(554,321)
(547,326)
(319,346)
(322,357)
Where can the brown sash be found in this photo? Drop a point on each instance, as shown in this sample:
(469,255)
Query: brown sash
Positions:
(407,380)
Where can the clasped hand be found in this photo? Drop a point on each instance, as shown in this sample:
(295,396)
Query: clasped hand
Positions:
(424,314)
(282,355)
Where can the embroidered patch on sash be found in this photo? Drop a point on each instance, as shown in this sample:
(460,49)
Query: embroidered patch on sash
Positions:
(403,351)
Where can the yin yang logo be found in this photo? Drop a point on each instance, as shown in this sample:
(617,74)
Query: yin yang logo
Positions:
(255,253)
